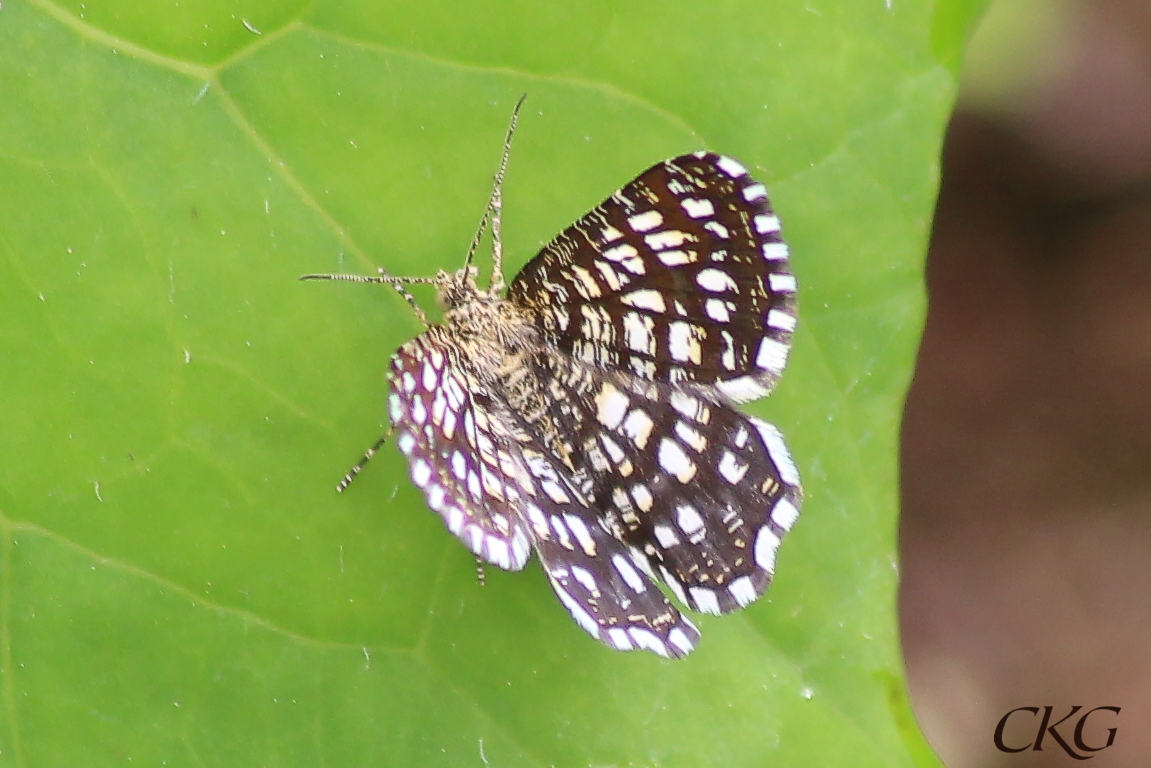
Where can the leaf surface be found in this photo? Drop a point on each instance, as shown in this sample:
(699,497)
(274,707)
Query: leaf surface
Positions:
(180,583)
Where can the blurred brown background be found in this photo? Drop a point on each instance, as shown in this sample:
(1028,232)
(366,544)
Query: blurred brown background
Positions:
(1026,528)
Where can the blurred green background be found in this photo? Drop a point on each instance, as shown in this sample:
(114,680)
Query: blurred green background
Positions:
(180,585)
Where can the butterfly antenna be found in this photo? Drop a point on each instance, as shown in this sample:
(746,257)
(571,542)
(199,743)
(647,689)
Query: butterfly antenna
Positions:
(494,209)
(383,277)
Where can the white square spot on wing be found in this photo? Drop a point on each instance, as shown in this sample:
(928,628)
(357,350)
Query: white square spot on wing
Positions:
(691,436)
(717,229)
(459,465)
(716,309)
(449,425)
(680,640)
(716,280)
(753,193)
(611,406)
(682,343)
(475,539)
(732,468)
(772,355)
(646,221)
(727,357)
(676,258)
(784,321)
(697,209)
(637,330)
(647,640)
(705,600)
(554,492)
(669,238)
(743,389)
(743,591)
(421,473)
(775,251)
(784,514)
(619,639)
(613,450)
(562,534)
(584,577)
(538,521)
(780,456)
(675,462)
(638,426)
(584,283)
(688,520)
(689,406)
(581,533)
(643,497)
(765,223)
(766,543)
(781,283)
(732,168)
(665,536)
(629,574)
(646,298)
(455,518)
(620,252)
(521,549)
(419,412)
(498,552)
(610,234)
(610,276)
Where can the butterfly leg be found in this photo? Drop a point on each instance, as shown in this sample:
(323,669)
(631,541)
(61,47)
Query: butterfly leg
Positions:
(348,478)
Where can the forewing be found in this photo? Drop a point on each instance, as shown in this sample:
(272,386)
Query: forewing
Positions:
(680,276)
(460,451)
(704,492)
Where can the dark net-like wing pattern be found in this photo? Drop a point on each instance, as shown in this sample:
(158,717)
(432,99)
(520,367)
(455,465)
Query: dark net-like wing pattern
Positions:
(680,276)
(604,584)
(459,452)
(589,416)
(703,492)
(498,488)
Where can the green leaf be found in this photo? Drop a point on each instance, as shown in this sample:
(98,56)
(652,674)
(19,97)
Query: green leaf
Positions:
(181,585)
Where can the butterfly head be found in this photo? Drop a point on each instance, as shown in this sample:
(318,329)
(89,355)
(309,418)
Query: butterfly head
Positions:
(456,289)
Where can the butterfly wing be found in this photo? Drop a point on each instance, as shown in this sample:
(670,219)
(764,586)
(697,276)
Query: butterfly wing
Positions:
(680,276)
(703,492)
(502,492)
(605,585)
(458,450)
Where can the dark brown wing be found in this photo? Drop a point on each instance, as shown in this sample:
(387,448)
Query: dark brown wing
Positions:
(488,475)
(459,452)
(703,492)
(680,276)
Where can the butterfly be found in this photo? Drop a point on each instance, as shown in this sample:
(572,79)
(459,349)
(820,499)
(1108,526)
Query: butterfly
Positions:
(586,411)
